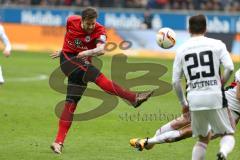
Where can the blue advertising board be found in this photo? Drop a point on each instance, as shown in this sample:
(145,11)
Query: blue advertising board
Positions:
(35,16)
(217,23)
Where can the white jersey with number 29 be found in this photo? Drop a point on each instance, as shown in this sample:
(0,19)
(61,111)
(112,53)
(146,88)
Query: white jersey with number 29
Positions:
(199,59)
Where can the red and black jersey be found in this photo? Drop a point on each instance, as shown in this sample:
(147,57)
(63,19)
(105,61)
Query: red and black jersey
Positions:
(77,40)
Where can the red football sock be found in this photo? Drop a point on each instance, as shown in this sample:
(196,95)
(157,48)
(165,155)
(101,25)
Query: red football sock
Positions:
(112,88)
(65,121)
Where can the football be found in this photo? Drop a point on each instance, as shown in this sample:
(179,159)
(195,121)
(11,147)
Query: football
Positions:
(166,38)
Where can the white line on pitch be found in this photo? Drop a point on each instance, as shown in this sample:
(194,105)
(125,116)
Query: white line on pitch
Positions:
(27,79)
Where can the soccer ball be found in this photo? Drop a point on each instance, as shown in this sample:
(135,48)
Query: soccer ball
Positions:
(166,38)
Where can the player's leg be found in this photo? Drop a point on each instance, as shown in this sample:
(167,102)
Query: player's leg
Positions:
(112,88)
(1,76)
(171,136)
(222,123)
(173,131)
(94,75)
(199,149)
(65,121)
(227,144)
(201,129)
(166,134)
(167,137)
(75,89)
(175,124)
(72,99)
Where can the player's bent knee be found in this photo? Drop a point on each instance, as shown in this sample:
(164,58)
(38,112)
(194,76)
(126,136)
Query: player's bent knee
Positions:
(74,99)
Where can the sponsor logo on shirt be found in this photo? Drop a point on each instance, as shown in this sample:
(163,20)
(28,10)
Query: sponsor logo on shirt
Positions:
(77,44)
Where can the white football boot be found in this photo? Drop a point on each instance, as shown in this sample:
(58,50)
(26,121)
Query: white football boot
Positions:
(56,147)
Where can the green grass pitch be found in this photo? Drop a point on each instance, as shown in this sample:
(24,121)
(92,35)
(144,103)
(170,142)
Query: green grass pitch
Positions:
(28,123)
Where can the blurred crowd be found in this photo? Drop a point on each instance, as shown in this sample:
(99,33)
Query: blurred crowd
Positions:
(216,5)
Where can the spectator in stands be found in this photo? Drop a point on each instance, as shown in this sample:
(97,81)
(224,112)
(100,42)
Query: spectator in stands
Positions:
(196,4)
(16,2)
(142,3)
(35,2)
(67,2)
(181,4)
(158,4)
(46,2)
(233,6)
(218,5)
(81,3)
(130,4)
(106,3)
(5,2)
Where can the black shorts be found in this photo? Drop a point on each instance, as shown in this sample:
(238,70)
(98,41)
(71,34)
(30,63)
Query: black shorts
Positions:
(79,73)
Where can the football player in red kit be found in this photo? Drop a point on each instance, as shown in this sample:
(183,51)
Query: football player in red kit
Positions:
(84,39)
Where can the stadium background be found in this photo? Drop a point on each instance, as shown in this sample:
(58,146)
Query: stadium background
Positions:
(36,28)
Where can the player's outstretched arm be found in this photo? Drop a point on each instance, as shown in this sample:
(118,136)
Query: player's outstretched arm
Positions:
(182,99)
(226,75)
(227,63)
(55,54)
(99,50)
(6,42)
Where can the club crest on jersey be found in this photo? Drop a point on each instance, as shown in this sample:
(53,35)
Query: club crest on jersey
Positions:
(77,42)
(103,38)
(87,38)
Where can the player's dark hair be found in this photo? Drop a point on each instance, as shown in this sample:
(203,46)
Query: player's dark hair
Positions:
(197,24)
(89,13)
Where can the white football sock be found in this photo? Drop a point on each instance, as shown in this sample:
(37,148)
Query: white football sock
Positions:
(1,76)
(227,144)
(162,138)
(166,128)
(199,151)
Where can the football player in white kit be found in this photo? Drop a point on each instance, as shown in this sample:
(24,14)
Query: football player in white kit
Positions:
(7,49)
(180,128)
(199,60)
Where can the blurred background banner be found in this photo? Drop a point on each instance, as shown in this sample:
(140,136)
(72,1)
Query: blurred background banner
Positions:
(35,37)
(42,28)
(121,19)
(35,16)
